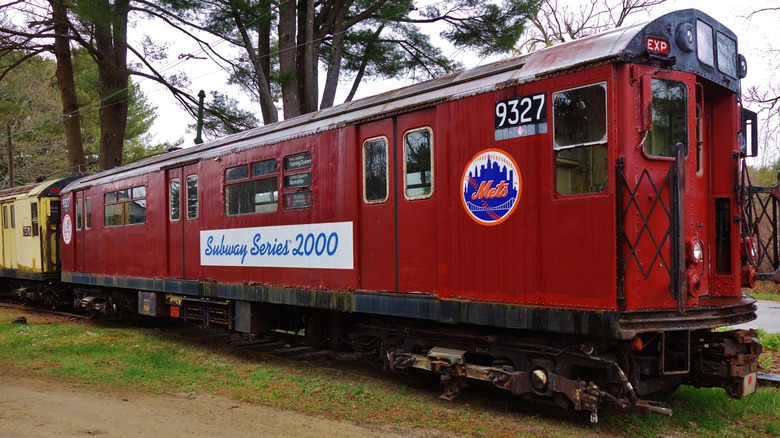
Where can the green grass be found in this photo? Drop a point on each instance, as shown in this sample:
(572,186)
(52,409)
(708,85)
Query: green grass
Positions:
(766,297)
(771,341)
(765,290)
(145,361)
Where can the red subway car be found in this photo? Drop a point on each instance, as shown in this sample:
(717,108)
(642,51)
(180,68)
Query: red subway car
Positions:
(564,225)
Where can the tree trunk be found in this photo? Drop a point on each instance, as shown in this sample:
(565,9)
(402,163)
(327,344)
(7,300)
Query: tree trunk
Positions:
(308,57)
(67,86)
(291,97)
(264,40)
(334,66)
(111,45)
(262,68)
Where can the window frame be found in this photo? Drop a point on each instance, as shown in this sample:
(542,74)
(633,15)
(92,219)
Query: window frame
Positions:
(406,185)
(248,181)
(603,140)
(386,174)
(178,200)
(123,198)
(196,204)
(34,219)
(88,213)
(583,146)
(648,139)
(79,214)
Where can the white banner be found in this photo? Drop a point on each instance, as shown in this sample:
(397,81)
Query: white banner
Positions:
(321,246)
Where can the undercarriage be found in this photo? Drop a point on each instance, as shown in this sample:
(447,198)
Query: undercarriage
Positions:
(571,372)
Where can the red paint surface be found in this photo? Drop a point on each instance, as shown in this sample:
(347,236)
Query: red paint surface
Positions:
(557,251)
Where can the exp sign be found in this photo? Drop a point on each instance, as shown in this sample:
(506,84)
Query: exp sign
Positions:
(657,45)
(491,187)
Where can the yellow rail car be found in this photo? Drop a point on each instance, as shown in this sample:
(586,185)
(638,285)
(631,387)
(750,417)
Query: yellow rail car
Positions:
(30,232)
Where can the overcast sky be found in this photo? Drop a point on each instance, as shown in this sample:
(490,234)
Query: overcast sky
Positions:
(754,35)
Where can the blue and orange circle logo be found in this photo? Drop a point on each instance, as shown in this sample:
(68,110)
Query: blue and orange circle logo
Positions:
(492,185)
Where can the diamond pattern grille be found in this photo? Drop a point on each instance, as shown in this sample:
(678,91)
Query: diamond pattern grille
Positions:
(654,220)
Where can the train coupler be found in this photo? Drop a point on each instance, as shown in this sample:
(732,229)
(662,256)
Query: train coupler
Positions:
(728,360)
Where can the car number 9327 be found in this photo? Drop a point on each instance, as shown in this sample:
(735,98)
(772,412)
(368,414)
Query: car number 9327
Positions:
(520,111)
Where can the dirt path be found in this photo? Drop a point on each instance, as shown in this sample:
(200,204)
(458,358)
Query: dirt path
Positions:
(38,408)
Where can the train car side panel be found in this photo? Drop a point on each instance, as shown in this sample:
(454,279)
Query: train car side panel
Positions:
(296,182)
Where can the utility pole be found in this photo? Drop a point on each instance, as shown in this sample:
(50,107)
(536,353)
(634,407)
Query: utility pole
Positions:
(9,147)
(201,96)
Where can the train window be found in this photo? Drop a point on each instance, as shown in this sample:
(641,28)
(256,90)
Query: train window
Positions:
(192,197)
(375,170)
(88,213)
(79,214)
(704,44)
(112,215)
(34,218)
(727,55)
(13,217)
(54,212)
(259,195)
(174,199)
(580,139)
(266,167)
(125,207)
(580,116)
(5,217)
(418,164)
(135,209)
(236,173)
(670,111)
(256,196)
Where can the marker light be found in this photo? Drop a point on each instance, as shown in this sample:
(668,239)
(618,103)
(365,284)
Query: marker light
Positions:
(696,251)
(694,285)
(684,37)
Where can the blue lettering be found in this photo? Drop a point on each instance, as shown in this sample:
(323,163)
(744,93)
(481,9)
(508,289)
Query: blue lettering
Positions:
(223,249)
(275,248)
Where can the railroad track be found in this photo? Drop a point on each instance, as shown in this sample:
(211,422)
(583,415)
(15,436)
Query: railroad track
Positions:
(13,305)
(283,346)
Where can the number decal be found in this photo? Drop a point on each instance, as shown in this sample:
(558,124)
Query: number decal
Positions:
(521,111)
(320,244)
(500,113)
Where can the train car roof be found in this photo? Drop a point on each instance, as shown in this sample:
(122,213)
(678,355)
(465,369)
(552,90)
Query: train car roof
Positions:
(50,187)
(621,44)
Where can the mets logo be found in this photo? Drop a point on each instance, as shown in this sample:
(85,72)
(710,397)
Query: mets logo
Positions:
(491,187)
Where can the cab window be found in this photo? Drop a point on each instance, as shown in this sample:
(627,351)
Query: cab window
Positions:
(669,108)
